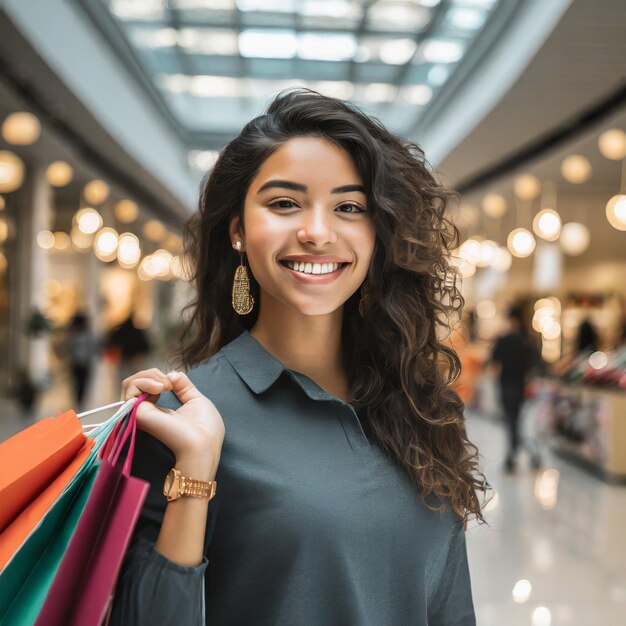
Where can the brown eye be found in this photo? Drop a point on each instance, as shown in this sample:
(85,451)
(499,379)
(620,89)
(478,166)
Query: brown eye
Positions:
(356,206)
(282,204)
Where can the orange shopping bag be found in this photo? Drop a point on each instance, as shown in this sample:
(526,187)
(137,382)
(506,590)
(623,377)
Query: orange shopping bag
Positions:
(14,535)
(33,458)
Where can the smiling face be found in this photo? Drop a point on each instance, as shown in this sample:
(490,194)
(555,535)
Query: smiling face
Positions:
(307,202)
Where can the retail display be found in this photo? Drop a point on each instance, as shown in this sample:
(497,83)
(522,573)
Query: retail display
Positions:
(600,369)
(586,411)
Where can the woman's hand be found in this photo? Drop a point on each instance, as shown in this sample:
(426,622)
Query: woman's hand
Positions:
(194,432)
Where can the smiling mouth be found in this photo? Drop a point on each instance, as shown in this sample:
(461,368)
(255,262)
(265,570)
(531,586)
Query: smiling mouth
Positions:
(339,268)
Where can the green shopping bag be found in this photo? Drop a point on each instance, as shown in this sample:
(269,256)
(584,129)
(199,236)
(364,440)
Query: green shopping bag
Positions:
(23,588)
(27,577)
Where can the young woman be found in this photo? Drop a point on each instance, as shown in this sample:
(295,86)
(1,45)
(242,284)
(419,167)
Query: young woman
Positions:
(315,413)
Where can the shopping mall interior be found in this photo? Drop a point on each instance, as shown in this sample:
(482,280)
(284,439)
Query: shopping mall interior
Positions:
(113,111)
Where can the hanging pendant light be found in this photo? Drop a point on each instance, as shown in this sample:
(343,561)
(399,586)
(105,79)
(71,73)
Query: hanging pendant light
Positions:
(11,171)
(126,211)
(21,129)
(96,191)
(526,186)
(128,250)
(494,205)
(612,144)
(88,220)
(521,242)
(59,173)
(547,224)
(576,169)
(574,238)
(616,211)
(105,244)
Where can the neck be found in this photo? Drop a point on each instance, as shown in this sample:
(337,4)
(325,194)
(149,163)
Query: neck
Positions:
(309,344)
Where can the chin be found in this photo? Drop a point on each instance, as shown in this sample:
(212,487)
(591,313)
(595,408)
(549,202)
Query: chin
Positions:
(316,308)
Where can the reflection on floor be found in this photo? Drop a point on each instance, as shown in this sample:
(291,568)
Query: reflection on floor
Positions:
(554,553)
(559,529)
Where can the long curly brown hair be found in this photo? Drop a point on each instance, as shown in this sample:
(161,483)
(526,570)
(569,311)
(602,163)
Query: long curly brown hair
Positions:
(399,366)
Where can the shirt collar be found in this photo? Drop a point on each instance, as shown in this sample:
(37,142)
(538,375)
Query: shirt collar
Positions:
(260,370)
(256,366)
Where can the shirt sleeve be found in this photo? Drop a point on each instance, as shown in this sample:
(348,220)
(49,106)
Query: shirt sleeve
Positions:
(152,589)
(452,603)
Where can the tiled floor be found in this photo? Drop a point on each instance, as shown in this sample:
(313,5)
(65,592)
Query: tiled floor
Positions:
(561,529)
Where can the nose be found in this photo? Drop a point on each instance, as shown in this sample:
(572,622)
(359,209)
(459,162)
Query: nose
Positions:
(316,227)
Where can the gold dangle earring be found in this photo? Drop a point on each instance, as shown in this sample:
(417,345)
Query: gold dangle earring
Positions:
(366,294)
(241,296)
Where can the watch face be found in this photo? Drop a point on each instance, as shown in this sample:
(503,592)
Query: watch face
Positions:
(169,480)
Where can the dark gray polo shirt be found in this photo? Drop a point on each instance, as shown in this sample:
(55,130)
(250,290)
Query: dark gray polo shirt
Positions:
(311,524)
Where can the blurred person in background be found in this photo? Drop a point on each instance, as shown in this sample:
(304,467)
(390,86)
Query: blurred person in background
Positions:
(26,394)
(587,338)
(83,344)
(132,346)
(511,360)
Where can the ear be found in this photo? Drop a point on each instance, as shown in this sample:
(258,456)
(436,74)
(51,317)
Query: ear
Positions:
(235,231)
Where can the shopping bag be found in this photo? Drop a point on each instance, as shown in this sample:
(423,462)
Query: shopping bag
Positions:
(33,458)
(27,577)
(12,537)
(23,588)
(82,588)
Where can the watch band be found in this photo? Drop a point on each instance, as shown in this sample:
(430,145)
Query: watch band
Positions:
(197,488)
(176,485)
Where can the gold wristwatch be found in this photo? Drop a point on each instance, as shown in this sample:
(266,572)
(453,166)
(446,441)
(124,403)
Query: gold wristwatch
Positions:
(177,485)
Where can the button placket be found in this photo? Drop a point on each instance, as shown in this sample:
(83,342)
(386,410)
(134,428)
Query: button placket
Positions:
(345,412)
(351,425)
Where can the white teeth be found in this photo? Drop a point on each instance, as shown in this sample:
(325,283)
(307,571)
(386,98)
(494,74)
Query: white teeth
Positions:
(313,268)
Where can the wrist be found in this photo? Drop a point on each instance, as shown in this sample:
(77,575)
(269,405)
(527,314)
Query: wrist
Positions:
(198,468)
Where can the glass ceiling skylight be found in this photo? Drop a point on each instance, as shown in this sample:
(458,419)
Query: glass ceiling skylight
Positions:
(216,63)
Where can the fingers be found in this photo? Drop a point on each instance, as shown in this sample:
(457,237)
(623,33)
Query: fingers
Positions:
(183,431)
(184,389)
(144,385)
(153,382)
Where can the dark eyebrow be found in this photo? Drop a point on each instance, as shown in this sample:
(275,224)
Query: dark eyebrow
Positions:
(287,184)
